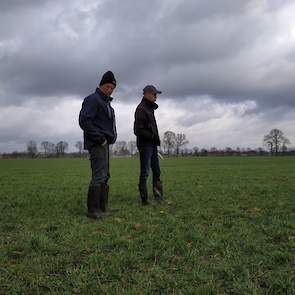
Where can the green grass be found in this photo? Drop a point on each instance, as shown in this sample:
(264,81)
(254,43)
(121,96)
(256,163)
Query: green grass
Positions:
(227,227)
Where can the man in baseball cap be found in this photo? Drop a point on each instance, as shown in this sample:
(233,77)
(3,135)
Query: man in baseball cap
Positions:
(148,140)
(152,90)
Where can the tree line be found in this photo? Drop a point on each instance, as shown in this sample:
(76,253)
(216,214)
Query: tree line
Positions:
(173,144)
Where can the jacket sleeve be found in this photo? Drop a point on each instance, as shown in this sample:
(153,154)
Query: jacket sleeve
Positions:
(140,128)
(86,116)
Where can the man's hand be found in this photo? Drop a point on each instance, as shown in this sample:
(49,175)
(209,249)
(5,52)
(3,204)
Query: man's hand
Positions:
(105,142)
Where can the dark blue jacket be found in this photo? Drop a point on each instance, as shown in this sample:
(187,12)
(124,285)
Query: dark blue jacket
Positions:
(97,120)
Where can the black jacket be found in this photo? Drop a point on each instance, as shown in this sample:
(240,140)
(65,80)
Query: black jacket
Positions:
(97,120)
(145,125)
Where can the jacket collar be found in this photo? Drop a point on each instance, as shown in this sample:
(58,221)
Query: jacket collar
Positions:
(104,96)
(149,104)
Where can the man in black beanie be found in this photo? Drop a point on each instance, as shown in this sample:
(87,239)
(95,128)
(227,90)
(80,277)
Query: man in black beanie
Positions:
(97,120)
(146,131)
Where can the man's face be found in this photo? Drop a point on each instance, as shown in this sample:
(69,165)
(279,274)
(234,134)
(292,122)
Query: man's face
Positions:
(151,96)
(107,88)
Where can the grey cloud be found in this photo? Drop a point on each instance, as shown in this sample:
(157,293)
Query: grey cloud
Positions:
(190,11)
(13,5)
(190,48)
(231,51)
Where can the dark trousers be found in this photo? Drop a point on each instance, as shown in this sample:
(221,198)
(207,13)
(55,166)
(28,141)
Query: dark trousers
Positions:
(149,159)
(100,164)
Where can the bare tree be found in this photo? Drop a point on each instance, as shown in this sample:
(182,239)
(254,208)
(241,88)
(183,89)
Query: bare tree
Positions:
(32,148)
(275,141)
(51,148)
(268,143)
(79,146)
(61,147)
(169,141)
(180,140)
(286,142)
(45,145)
(48,147)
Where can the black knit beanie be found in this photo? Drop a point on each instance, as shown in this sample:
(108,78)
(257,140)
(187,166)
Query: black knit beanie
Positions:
(108,77)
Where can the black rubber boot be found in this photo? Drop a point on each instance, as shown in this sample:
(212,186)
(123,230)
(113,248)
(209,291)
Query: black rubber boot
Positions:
(158,191)
(143,194)
(105,200)
(93,202)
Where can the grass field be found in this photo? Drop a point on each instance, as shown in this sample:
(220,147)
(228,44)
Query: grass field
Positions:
(227,227)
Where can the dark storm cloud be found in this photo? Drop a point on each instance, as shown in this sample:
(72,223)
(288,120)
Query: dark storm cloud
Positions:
(224,49)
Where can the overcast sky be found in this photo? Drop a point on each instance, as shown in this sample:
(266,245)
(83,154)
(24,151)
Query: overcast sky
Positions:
(226,67)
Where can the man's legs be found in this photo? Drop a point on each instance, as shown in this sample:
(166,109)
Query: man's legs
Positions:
(145,154)
(157,184)
(100,175)
(105,189)
(104,185)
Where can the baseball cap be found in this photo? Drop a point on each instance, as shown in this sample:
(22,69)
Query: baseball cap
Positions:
(151,88)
